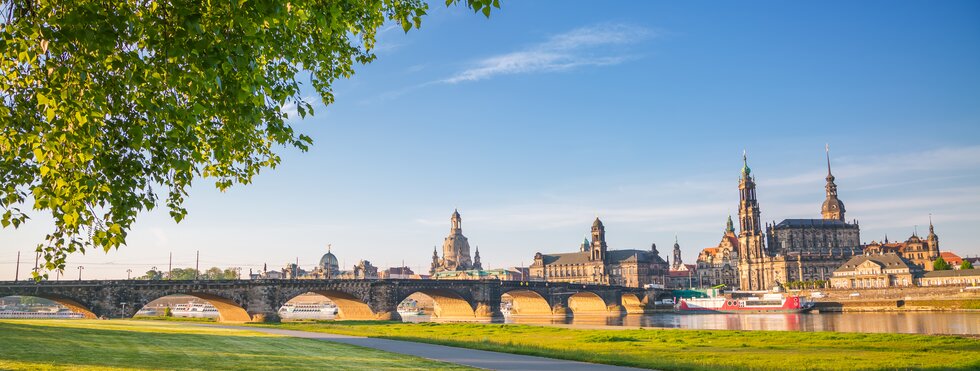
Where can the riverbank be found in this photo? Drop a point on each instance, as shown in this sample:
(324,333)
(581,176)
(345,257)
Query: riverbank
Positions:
(895,299)
(900,305)
(682,349)
(162,345)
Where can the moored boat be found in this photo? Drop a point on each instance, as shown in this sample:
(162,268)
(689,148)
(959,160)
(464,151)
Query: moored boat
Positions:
(745,303)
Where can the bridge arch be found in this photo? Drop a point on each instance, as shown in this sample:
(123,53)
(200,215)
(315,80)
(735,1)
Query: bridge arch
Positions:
(228,310)
(632,304)
(71,304)
(528,303)
(586,303)
(448,304)
(349,307)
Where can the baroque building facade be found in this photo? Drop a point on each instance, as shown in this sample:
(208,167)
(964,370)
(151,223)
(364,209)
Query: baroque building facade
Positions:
(594,263)
(718,265)
(919,252)
(878,270)
(794,249)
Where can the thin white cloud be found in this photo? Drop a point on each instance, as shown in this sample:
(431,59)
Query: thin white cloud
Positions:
(292,112)
(586,46)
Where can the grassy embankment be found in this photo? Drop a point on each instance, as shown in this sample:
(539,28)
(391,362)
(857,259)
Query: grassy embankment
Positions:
(119,344)
(685,349)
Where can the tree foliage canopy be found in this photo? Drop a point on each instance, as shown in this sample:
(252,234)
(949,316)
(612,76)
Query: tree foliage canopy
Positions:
(966,264)
(109,107)
(940,265)
(213,273)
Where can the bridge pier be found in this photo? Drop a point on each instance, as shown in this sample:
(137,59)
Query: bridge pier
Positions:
(488,310)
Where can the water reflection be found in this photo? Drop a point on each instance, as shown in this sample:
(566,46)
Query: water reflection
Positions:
(910,323)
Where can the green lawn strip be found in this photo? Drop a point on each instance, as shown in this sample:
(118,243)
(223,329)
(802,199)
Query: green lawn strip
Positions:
(684,349)
(151,345)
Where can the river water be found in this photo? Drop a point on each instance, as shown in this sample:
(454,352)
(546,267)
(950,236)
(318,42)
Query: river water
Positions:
(961,323)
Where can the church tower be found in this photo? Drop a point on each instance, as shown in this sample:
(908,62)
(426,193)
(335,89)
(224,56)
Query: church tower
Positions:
(751,250)
(833,208)
(678,263)
(435,261)
(598,251)
(476,259)
(932,240)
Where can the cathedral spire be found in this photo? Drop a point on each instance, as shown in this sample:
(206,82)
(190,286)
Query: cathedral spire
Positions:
(829,175)
(730,227)
(745,164)
(833,207)
(748,208)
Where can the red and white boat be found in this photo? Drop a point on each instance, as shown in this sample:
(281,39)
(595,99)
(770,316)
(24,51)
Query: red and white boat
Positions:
(742,303)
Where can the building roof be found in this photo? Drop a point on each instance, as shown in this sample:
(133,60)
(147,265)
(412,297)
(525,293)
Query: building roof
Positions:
(813,223)
(680,273)
(887,261)
(951,258)
(400,270)
(952,273)
(612,256)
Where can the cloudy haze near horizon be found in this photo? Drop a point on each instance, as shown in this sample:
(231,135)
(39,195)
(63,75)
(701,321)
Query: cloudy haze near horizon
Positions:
(534,122)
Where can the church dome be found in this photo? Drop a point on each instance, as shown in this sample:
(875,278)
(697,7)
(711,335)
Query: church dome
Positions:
(597,223)
(833,205)
(329,260)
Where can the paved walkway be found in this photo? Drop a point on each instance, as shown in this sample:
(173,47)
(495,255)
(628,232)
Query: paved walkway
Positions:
(463,356)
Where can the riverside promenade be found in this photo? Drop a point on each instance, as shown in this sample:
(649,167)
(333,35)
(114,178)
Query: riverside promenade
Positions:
(468,357)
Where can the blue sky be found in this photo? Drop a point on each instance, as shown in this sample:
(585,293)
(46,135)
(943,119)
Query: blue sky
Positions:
(550,113)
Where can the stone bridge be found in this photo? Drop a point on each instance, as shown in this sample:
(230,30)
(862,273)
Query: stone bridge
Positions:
(260,300)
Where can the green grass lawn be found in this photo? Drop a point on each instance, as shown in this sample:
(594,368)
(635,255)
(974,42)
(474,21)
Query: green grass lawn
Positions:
(159,345)
(685,349)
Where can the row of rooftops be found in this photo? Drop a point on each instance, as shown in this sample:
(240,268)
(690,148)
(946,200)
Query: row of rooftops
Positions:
(815,223)
(891,260)
(612,256)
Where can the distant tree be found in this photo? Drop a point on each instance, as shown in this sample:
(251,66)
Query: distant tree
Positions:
(152,275)
(183,274)
(108,109)
(230,274)
(214,273)
(940,265)
(966,265)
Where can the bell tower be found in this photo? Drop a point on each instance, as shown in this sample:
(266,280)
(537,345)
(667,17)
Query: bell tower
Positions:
(932,240)
(751,250)
(598,251)
(678,263)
